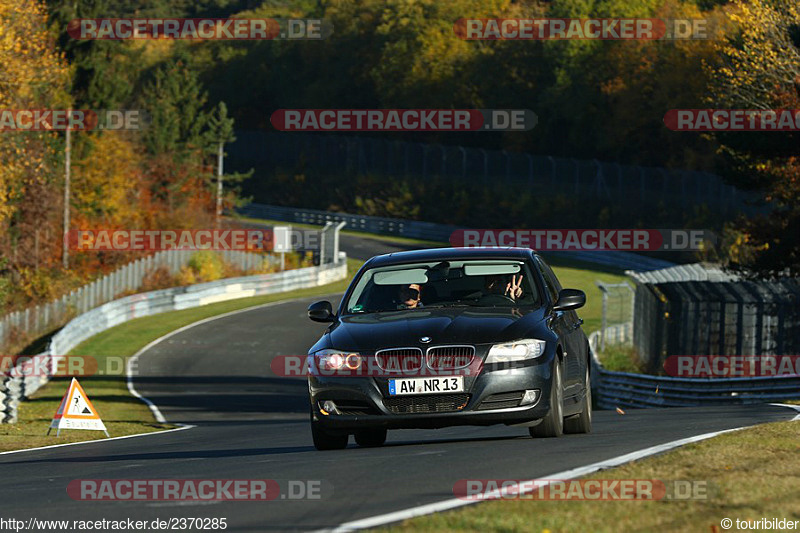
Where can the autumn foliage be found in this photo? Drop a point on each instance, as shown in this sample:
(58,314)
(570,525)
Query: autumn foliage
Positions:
(158,177)
(760,69)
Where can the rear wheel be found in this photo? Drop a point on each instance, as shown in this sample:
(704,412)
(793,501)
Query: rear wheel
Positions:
(325,440)
(582,423)
(552,425)
(370,438)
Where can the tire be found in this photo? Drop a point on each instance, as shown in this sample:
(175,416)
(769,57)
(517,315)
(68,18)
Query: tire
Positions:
(324,440)
(370,438)
(582,423)
(552,425)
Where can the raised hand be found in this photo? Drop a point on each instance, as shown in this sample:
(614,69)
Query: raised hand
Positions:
(514,288)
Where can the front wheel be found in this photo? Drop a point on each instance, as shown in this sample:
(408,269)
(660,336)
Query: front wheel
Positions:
(582,423)
(552,425)
(324,440)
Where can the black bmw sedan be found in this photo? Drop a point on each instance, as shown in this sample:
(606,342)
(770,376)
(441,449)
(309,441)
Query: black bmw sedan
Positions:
(450,336)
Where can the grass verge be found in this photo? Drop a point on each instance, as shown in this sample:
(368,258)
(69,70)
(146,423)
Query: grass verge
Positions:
(621,358)
(748,474)
(122,413)
(584,279)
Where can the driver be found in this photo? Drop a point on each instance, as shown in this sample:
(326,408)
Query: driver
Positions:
(500,284)
(409,296)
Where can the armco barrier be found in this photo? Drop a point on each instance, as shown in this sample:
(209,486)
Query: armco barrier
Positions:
(15,389)
(624,389)
(434,232)
(39,320)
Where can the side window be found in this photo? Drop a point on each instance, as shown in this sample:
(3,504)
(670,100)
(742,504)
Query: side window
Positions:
(550,283)
(551,278)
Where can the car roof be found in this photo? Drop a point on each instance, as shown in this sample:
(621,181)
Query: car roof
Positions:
(448,254)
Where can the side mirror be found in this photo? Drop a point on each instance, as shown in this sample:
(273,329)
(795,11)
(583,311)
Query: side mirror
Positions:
(321,312)
(570,299)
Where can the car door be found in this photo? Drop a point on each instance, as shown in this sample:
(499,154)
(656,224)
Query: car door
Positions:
(570,333)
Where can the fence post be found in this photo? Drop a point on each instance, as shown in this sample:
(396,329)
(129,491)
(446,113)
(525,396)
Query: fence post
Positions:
(322,234)
(336,240)
(604,293)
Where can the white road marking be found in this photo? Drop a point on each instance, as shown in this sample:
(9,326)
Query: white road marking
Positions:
(524,486)
(790,406)
(129,367)
(182,503)
(153,407)
(183,427)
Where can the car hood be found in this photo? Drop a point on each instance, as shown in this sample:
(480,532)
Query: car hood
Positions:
(462,325)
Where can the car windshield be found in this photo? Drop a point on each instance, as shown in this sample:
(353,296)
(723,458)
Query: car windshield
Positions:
(475,283)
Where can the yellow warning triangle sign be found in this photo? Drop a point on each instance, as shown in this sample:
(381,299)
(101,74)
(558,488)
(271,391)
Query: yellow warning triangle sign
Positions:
(76,412)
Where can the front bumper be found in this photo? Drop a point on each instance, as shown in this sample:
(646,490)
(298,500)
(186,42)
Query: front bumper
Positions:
(367,401)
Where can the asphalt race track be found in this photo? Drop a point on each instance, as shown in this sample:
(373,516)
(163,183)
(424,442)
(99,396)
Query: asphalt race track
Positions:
(250,424)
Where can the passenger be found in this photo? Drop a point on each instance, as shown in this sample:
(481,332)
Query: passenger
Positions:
(501,285)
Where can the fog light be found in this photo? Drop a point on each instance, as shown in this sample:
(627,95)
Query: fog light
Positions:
(328,407)
(530,396)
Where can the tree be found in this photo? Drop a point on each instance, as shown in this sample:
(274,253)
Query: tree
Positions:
(174,136)
(761,71)
(220,133)
(34,76)
(175,101)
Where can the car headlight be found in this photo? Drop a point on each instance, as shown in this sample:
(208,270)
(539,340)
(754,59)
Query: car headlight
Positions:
(520,350)
(333,360)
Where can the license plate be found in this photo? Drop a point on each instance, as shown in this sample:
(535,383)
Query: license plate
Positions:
(400,387)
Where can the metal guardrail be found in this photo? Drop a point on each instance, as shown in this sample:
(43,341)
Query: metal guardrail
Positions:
(41,319)
(430,231)
(624,389)
(13,389)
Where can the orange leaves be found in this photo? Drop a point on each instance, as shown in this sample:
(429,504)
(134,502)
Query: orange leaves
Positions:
(106,180)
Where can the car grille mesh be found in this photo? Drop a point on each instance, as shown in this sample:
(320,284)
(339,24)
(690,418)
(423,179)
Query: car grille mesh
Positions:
(450,357)
(399,359)
(355,408)
(440,403)
(503,400)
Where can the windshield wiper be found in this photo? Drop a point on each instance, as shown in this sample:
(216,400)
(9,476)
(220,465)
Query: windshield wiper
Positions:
(449,304)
